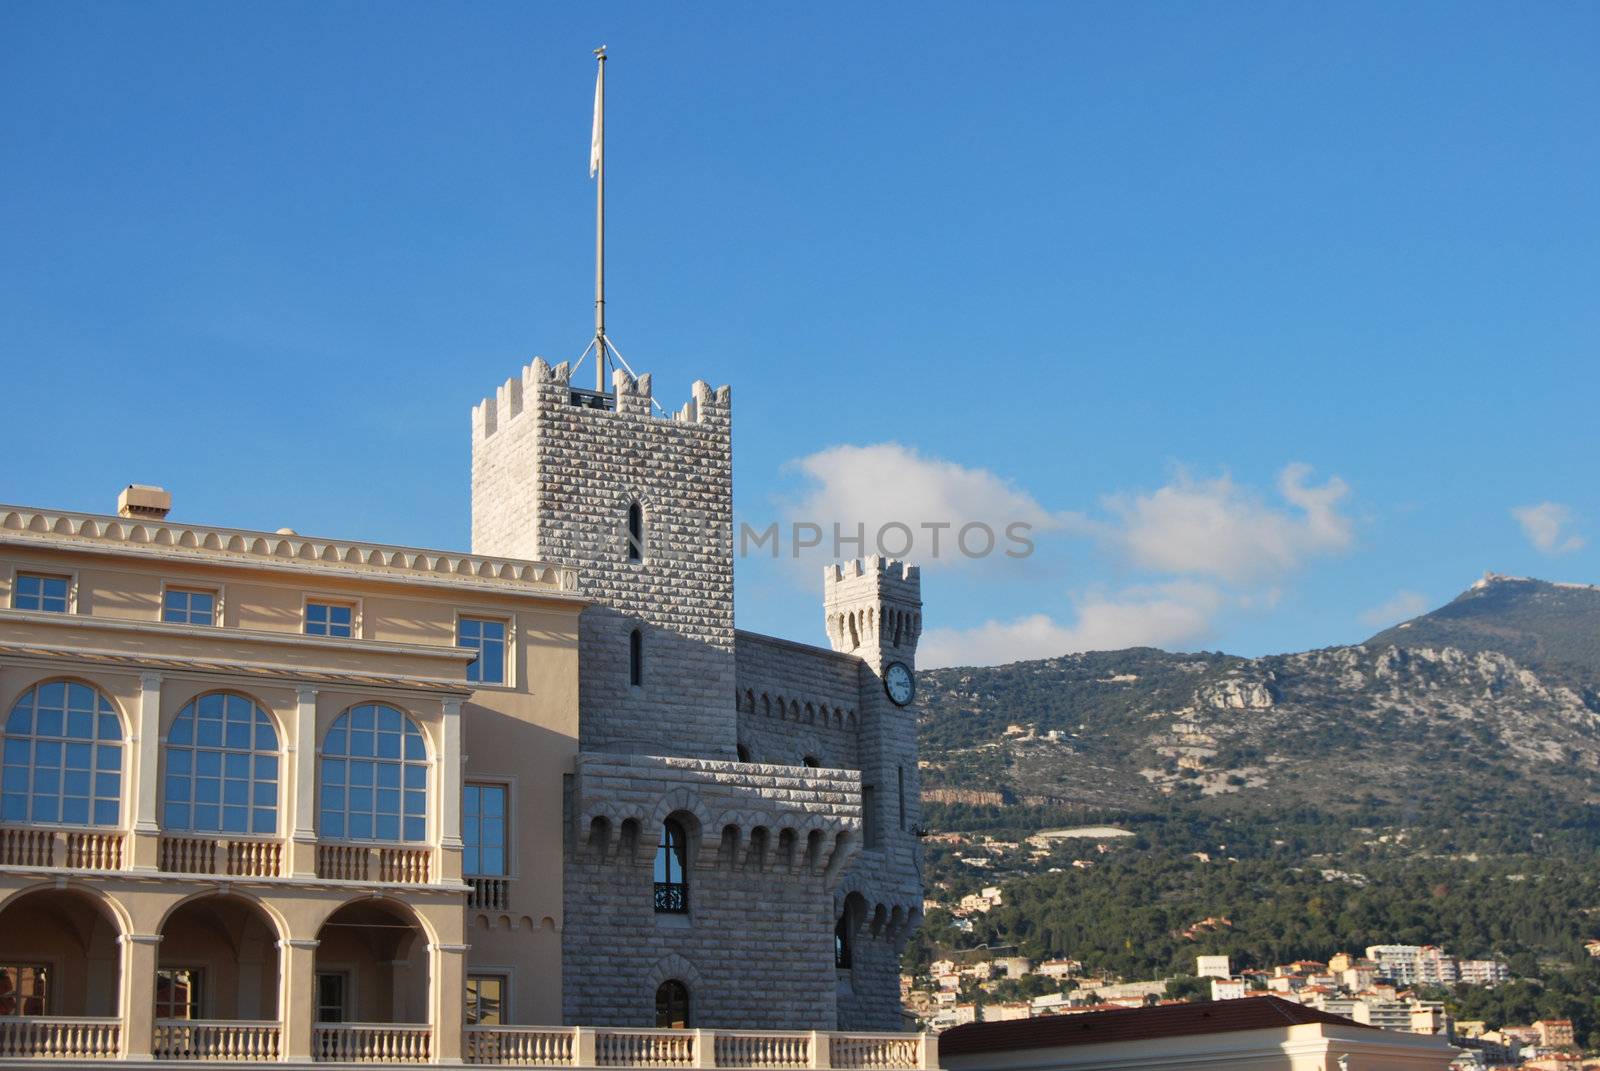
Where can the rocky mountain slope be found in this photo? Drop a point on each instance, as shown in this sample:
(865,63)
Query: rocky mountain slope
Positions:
(1501,687)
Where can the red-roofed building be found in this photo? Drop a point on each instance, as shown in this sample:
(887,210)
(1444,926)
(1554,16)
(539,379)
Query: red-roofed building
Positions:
(1267,1034)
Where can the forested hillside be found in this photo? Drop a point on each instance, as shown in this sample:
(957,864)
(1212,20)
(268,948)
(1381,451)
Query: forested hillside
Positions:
(1406,790)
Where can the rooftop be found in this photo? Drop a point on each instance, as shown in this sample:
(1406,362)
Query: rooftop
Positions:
(24,525)
(1134,1024)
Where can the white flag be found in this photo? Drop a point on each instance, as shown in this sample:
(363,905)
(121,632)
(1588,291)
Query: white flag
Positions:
(594,138)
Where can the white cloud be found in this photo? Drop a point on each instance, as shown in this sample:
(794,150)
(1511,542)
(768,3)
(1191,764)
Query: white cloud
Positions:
(1172,615)
(1547,527)
(1219,529)
(1202,545)
(1402,606)
(887,483)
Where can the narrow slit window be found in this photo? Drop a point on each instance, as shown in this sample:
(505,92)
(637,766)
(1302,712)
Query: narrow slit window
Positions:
(635,532)
(636,658)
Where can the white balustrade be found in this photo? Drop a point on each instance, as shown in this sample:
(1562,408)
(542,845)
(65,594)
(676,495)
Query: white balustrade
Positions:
(493,894)
(90,850)
(877,1052)
(255,858)
(26,846)
(371,1043)
(518,1046)
(371,862)
(644,1048)
(762,1048)
(234,1041)
(214,855)
(343,862)
(59,1037)
(548,1046)
(189,855)
(409,866)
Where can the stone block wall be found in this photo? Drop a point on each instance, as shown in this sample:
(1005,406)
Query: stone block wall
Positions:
(797,700)
(766,844)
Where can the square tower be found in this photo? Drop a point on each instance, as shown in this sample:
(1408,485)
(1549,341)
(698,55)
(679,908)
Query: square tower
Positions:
(642,507)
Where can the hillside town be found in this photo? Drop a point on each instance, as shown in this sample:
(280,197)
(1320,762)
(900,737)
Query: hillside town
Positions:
(1380,988)
(1377,988)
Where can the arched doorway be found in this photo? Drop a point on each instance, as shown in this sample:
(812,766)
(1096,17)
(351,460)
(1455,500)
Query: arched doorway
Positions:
(60,955)
(672,1004)
(372,965)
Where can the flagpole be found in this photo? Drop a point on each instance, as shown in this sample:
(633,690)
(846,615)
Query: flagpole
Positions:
(600,224)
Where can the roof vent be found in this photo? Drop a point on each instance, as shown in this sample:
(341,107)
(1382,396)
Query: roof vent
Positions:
(143,501)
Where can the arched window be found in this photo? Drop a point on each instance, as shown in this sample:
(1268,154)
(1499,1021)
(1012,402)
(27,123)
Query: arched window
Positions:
(374,777)
(63,757)
(841,942)
(672,879)
(635,532)
(636,658)
(672,1005)
(222,768)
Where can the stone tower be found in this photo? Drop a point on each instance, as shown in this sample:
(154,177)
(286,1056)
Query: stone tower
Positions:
(873,610)
(783,772)
(560,474)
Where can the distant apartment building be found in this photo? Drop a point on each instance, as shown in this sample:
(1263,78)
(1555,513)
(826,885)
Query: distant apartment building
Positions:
(1385,1014)
(1555,1033)
(1414,964)
(1358,976)
(1229,988)
(998,1013)
(1483,971)
(1212,967)
(1059,968)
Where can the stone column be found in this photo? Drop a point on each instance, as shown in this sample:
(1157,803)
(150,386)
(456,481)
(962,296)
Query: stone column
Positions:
(297,999)
(139,954)
(450,759)
(302,802)
(146,750)
(449,973)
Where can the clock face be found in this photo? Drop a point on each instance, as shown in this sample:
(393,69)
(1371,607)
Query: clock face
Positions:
(898,682)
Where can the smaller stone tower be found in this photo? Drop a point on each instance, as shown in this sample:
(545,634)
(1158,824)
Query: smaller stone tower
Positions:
(874,611)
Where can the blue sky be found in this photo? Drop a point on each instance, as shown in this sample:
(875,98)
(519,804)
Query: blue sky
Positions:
(1268,316)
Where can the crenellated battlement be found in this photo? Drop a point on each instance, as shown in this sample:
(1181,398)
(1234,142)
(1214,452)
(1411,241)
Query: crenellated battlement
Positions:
(872,602)
(892,568)
(543,383)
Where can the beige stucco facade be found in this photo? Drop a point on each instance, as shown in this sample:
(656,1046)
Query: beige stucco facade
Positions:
(260,916)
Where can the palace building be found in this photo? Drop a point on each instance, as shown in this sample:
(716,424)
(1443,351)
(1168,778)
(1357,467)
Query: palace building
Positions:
(279,798)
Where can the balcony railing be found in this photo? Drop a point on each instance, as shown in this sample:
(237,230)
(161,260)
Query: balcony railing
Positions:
(761,1048)
(59,1037)
(672,897)
(372,1043)
(644,1048)
(367,862)
(548,1046)
(519,1046)
(182,854)
(234,1041)
(79,849)
(489,894)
